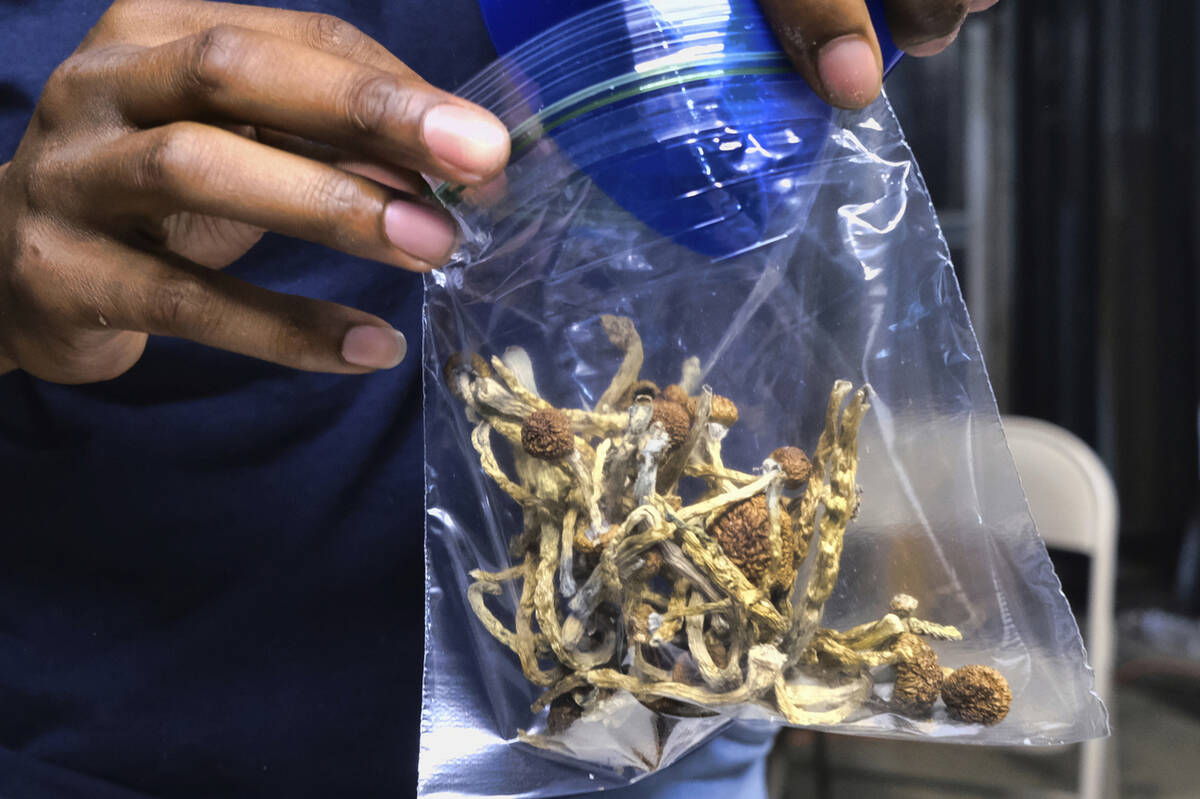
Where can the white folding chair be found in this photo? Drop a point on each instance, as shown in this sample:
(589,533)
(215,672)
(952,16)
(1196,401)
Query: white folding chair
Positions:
(1074,503)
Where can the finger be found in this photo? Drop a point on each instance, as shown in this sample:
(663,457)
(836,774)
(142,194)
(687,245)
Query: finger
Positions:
(187,166)
(833,45)
(981,5)
(245,76)
(924,27)
(153,24)
(398,178)
(174,297)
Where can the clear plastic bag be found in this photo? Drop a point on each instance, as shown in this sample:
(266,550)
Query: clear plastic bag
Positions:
(682,219)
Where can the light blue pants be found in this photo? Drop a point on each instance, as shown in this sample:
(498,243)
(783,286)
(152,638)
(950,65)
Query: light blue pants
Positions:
(731,766)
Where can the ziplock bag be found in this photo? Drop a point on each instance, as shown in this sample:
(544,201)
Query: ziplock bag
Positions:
(712,441)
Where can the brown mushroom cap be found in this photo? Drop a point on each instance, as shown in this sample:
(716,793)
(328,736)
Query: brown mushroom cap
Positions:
(459,361)
(743,531)
(674,418)
(723,411)
(918,677)
(564,711)
(675,393)
(977,694)
(547,434)
(796,465)
(642,388)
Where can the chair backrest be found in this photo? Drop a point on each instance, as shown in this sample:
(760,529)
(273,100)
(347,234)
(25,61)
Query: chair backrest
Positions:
(1074,502)
(1071,495)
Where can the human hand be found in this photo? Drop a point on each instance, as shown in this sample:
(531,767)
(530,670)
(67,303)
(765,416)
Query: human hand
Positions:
(178,133)
(833,44)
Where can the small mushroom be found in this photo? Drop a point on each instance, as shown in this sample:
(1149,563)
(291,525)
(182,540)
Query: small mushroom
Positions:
(675,393)
(642,388)
(458,362)
(724,411)
(564,711)
(977,694)
(743,531)
(904,605)
(674,419)
(918,677)
(547,434)
(795,464)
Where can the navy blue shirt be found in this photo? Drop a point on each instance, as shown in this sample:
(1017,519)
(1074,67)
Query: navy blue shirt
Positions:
(211,576)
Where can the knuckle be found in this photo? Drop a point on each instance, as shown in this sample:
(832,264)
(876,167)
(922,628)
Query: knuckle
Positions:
(333,199)
(214,56)
(64,90)
(27,261)
(179,303)
(173,153)
(332,34)
(374,100)
(291,337)
(35,185)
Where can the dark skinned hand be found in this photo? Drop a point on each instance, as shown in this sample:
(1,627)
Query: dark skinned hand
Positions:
(165,146)
(180,131)
(833,44)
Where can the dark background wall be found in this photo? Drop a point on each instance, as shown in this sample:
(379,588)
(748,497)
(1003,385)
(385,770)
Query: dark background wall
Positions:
(1079,255)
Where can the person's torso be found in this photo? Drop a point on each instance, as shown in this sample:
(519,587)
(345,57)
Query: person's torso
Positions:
(211,571)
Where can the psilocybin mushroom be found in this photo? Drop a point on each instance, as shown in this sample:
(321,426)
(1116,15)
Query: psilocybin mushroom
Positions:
(918,678)
(674,418)
(795,464)
(547,434)
(977,694)
(722,411)
(743,532)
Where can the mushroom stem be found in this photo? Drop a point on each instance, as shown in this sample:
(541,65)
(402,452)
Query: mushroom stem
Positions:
(622,333)
(671,471)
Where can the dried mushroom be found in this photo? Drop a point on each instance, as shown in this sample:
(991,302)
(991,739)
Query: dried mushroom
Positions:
(723,410)
(918,678)
(675,393)
(547,434)
(687,604)
(795,464)
(977,694)
(745,534)
(674,419)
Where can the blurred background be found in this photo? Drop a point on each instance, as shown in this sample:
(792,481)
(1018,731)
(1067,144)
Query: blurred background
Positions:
(1059,139)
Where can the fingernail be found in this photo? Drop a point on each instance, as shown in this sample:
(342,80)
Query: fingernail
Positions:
(931,47)
(419,230)
(374,347)
(849,71)
(468,140)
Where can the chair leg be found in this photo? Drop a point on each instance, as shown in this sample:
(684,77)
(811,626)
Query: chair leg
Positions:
(1098,771)
(1092,776)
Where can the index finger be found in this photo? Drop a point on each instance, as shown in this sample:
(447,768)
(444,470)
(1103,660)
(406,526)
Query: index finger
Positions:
(240,75)
(154,23)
